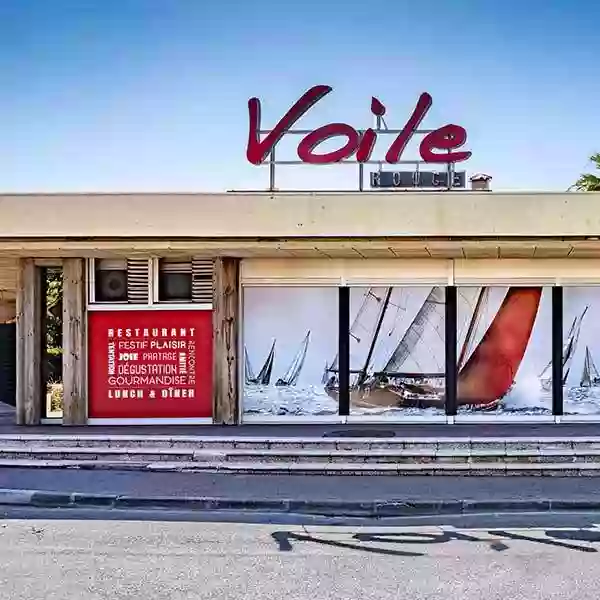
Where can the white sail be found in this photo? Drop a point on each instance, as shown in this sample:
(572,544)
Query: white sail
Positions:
(568,353)
(427,326)
(293,371)
(546,374)
(264,375)
(590,375)
(248,372)
(359,332)
(473,325)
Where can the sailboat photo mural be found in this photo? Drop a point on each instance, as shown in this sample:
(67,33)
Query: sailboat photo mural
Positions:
(413,372)
(288,334)
(291,375)
(397,350)
(581,351)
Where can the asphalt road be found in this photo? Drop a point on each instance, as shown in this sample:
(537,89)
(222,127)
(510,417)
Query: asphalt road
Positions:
(496,558)
(298,487)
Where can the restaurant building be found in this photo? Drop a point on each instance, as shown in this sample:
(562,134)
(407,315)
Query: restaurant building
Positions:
(407,305)
(233,308)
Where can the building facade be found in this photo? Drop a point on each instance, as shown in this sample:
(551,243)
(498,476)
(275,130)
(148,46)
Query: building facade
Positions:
(314,307)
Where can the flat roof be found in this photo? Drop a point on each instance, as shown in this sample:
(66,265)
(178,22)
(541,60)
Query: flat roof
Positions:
(255,215)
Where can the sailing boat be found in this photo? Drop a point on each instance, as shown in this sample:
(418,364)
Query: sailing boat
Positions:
(248,371)
(484,377)
(293,371)
(391,386)
(264,375)
(330,374)
(590,376)
(568,353)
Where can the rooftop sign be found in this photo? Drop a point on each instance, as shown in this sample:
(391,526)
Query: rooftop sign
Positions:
(438,146)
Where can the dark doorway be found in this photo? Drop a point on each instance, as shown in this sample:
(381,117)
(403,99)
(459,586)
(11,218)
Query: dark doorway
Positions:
(8,363)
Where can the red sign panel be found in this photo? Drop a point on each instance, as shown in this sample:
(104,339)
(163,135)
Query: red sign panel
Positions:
(438,146)
(150,364)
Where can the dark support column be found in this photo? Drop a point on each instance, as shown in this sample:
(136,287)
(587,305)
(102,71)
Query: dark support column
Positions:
(450,340)
(557,349)
(226,324)
(344,350)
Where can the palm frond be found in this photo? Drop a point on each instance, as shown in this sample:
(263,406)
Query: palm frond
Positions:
(588,182)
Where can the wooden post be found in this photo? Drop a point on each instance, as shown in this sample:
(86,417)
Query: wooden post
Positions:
(74,355)
(29,338)
(226,325)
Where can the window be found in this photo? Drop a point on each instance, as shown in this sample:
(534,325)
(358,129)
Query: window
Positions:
(185,280)
(174,281)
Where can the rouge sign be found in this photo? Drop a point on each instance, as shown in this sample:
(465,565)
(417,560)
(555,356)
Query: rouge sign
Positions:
(439,146)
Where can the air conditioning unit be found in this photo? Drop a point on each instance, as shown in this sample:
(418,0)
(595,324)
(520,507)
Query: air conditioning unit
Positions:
(122,280)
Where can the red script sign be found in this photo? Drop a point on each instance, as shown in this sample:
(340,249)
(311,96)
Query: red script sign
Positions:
(436,147)
(150,364)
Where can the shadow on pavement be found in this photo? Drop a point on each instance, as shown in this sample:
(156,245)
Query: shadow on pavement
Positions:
(383,542)
(404,537)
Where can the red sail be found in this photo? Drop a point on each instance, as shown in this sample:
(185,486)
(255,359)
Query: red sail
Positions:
(492,368)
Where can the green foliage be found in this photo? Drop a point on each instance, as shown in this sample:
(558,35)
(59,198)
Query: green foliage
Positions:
(54,296)
(55,392)
(589,182)
(54,290)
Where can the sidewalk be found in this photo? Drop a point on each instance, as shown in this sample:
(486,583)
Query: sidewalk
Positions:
(336,495)
(284,430)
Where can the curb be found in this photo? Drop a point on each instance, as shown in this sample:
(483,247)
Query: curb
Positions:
(332,508)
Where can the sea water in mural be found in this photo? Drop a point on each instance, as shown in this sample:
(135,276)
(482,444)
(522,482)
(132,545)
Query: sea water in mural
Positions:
(581,351)
(504,350)
(290,334)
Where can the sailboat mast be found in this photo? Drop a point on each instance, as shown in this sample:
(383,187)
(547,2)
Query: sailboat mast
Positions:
(363,374)
(471,328)
(333,367)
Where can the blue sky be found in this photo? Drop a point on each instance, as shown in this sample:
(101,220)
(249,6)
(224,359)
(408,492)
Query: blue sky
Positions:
(151,95)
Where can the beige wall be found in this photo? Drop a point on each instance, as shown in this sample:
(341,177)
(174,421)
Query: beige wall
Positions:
(356,272)
(281,215)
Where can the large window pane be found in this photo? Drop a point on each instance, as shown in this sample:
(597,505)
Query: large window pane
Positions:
(397,351)
(504,350)
(291,339)
(581,350)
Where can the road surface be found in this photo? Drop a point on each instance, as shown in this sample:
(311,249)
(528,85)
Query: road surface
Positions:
(45,554)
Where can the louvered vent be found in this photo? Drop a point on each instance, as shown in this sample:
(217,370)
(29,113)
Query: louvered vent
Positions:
(138,276)
(202,280)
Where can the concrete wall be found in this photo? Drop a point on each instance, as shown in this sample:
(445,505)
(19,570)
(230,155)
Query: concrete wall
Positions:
(281,215)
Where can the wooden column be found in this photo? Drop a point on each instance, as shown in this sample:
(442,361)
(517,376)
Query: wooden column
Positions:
(226,323)
(29,338)
(74,354)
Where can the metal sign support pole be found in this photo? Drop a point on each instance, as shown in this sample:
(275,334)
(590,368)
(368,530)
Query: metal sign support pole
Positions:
(272,171)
